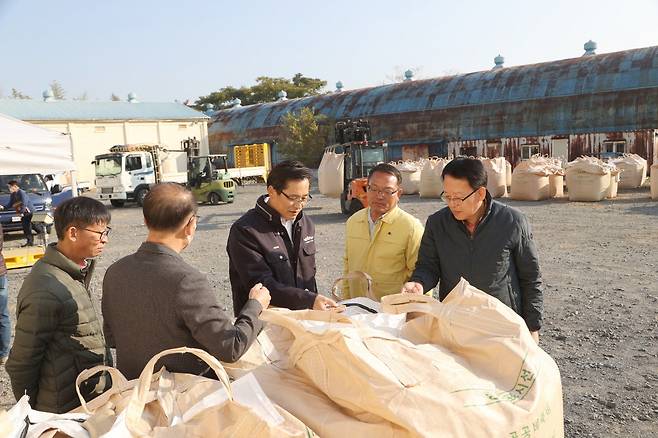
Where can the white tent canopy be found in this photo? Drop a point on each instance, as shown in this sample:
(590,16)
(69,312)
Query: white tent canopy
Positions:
(27,148)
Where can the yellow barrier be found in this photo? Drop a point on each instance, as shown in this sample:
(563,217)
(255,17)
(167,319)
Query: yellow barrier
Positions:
(16,258)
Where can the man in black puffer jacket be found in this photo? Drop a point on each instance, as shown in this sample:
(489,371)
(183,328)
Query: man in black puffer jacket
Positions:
(488,243)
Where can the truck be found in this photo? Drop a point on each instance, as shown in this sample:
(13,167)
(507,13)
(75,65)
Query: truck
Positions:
(360,154)
(127,172)
(35,186)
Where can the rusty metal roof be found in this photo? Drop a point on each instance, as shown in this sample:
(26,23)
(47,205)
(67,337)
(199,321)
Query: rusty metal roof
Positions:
(557,94)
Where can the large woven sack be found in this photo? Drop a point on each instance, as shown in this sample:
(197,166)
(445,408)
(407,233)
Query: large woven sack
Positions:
(587,187)
(654,181)
(410,177)
(431,183)
(614,184)
(556,183)
(633,171)
(477,365)
(23,421)
(589,179)
(508,173)
(177,405)
(496,169)
(530,187)
(330,174)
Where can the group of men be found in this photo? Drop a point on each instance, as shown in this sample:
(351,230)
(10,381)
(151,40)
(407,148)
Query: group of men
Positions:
(153,300)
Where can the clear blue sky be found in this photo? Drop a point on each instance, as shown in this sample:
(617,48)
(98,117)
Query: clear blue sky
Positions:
(166,50)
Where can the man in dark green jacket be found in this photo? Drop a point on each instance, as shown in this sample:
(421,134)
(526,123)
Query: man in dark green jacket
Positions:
(58,333)
(488,243)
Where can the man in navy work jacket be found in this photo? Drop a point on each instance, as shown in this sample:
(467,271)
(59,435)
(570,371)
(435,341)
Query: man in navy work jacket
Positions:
(488,243)
(274,244)
(21,202)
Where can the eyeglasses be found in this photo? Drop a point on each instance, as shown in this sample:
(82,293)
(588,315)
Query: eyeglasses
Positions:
(385,192)
(303,200)
(192,217)
(101,234)
(456,201)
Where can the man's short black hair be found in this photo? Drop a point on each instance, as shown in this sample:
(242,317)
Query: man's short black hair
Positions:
(80,212)
(285,171)
(13,182)
(386,168)
(470,169)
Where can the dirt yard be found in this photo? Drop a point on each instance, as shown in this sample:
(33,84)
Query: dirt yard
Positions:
(600,267)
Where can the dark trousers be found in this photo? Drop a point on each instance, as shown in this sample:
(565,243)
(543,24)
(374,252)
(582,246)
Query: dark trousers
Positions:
(26,221)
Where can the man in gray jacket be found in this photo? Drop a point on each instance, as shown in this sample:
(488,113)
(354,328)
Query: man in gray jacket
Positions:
(488,243)
(153,300)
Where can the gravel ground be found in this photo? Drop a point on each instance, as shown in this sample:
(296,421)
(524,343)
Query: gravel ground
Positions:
(600,266)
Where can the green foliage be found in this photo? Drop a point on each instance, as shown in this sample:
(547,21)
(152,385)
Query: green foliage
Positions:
(304,136)
(266,89)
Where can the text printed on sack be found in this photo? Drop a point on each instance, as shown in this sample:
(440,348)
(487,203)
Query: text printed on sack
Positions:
(534,427)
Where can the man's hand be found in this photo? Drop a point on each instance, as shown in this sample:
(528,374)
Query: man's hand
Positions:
(323,303)
(535,336)
(412,287)
(261,294)
(2,207)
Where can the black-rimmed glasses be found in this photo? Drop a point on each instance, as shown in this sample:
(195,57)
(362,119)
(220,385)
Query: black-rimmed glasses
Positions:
(456,201)
(297,199)
(102,234)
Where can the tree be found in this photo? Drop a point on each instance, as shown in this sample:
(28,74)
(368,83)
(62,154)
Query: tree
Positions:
(58,90)
(15,94)
(266,89)
(115,98)
(304,136)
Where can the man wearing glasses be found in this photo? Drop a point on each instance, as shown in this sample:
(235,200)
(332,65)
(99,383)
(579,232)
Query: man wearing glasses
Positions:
(486,242)
(274,244)
(153,300)
(58,333)
(381,240)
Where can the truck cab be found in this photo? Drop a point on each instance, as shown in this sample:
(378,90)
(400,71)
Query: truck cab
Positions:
(35,187)
(123,176)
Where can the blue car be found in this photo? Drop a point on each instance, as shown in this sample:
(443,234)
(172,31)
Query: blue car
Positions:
(35,186)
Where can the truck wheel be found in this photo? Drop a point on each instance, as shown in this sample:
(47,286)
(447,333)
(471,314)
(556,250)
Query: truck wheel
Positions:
(214,198)
(140,195)
(118,203)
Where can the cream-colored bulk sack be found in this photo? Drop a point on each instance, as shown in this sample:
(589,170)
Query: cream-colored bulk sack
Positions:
(330,174)
(530,186)
(473,360)
(431,183)
(614,184)
(633,171)
(556,183)
(588,179)
(654,181)
(496,176)
(172,405)
(410,177)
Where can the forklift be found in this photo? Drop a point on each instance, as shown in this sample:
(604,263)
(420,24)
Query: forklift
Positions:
(360,155)
(209,180)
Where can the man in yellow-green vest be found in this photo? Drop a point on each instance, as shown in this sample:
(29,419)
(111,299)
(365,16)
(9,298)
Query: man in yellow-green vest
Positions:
(381,240)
